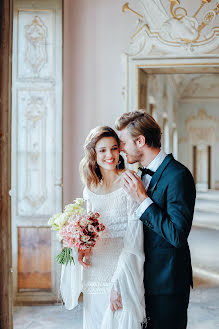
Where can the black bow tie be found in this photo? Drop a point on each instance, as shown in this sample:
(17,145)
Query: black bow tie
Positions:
(145,171)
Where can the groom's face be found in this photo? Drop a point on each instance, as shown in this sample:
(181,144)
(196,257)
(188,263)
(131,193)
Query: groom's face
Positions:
(128,146)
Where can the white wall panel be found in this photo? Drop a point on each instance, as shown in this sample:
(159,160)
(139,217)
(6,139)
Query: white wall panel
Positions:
(36,125)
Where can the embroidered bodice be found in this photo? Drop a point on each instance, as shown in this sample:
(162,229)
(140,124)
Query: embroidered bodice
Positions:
(113,209)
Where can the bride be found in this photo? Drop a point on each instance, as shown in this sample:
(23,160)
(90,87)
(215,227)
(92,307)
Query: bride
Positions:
(111,274)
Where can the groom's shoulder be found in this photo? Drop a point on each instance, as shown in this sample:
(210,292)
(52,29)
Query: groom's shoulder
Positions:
(177,168)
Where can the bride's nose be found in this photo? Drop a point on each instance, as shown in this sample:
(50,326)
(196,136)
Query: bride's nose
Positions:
(109,153)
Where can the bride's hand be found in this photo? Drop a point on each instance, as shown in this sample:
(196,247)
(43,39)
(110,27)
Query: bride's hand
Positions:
(84,254)
(115,301)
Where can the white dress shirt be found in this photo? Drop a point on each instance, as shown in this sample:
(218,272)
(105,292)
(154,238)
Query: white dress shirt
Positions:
(146,181)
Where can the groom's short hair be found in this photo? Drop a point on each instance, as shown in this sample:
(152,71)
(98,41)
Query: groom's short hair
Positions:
(140,123)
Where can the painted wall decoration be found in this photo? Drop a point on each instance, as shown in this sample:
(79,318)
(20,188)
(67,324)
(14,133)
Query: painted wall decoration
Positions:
(35,50)
(191,26)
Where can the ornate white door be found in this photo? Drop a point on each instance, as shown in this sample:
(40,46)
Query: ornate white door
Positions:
(36,147)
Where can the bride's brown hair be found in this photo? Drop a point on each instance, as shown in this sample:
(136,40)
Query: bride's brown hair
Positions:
(89,169)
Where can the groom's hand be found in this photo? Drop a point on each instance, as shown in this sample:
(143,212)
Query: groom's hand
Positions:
(84,254)
(134,186)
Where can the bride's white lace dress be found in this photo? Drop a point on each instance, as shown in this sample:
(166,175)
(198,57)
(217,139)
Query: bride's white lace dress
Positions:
(116,262)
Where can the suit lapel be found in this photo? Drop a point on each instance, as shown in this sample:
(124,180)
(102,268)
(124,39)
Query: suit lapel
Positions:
(157,174)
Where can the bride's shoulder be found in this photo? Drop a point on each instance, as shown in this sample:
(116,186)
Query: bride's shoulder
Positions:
(85,193)
(94,191)
(90,189)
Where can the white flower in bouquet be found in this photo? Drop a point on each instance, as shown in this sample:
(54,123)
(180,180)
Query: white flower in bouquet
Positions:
(52,220)
(61,221)
(79,201)
(74,208)
(85,238)
(90,228)
(59,236)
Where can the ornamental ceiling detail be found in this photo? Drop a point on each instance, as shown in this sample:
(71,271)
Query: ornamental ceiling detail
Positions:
(188,24)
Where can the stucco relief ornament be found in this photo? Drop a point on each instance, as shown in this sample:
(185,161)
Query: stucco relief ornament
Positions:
(35,52)
(180,30)
(35,189)
(202,128)
(35,109)
(173,26)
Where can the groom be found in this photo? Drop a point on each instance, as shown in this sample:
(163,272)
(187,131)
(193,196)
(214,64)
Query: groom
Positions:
(166,196)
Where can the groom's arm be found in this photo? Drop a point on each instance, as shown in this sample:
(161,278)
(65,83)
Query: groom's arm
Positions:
(174,223)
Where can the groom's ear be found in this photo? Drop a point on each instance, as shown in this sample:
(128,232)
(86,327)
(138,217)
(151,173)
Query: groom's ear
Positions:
(140,141)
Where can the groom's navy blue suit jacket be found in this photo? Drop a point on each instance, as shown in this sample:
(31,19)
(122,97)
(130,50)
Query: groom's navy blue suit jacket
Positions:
(167,223)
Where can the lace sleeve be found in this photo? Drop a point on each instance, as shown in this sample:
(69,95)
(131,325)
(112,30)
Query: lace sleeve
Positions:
(134,233)
(128,277)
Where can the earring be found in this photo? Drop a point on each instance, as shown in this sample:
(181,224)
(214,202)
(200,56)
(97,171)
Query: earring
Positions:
(118,163)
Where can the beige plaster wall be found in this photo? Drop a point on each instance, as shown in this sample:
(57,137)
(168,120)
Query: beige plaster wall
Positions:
(95,35)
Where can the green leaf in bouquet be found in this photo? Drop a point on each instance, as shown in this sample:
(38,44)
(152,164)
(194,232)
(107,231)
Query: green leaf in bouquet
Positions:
(65,256)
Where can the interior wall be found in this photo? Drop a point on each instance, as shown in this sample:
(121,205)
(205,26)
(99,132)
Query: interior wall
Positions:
(95,35)
(162,90)
(184,112)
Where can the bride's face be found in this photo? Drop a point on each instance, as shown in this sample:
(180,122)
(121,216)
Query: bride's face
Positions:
(107,152)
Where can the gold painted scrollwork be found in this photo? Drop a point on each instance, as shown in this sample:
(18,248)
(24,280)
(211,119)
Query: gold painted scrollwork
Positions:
(174,13)
(178,13)
(202,5)
(126,7)
(209,16)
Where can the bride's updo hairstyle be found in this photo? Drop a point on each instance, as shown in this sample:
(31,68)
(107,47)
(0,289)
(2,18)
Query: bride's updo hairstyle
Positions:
(89,169)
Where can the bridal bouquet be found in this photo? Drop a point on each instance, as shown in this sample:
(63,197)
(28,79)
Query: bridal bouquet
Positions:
(75,229)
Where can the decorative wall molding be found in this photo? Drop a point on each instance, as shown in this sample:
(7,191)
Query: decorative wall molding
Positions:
(201,116)
(34,119)
(35,44)
(170,26)
(202,128)
(195,100)
(35,50)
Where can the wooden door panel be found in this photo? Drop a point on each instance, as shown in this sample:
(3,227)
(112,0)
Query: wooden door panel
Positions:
(34,258)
